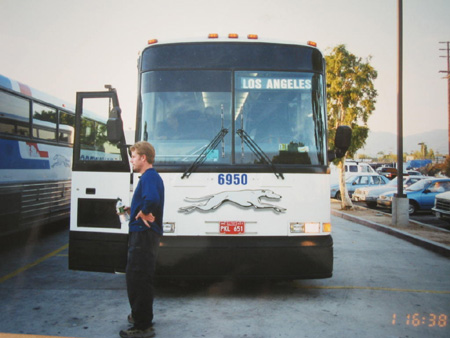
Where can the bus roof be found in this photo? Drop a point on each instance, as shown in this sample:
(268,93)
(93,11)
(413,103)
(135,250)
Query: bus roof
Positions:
(26,90)
(215,37)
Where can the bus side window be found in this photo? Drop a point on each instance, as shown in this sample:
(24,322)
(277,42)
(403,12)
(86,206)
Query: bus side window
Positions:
(44,122)
(66,127)
(14,115)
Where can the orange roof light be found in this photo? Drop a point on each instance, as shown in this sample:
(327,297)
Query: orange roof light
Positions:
(312,43)
(252,36)
(152,41)
(233,36)
(213,36)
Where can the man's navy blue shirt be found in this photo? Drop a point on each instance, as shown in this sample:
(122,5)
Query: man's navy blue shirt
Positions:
(148,197)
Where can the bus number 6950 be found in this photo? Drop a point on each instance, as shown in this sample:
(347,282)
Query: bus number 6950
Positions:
(232,179)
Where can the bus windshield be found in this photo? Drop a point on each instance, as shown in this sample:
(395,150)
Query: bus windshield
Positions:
(282,112)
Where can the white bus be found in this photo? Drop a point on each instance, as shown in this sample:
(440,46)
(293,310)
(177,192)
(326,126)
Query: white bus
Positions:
(36,140)
(240,132)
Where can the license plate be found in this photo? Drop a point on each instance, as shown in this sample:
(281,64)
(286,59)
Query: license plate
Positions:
(232,228)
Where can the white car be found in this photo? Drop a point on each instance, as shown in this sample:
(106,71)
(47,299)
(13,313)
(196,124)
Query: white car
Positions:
(442,206)
(369,195)
(351,168)
(358,181)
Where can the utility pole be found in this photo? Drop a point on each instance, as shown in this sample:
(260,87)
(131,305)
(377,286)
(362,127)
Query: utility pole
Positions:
(400,203)
(448,84)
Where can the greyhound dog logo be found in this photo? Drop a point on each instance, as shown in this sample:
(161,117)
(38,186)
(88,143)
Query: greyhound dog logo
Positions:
(60,160)
(243,198)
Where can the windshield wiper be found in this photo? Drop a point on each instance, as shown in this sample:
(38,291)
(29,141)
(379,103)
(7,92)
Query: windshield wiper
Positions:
(259,153)
(204,154)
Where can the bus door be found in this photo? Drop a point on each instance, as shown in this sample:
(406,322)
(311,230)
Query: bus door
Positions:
(100,179)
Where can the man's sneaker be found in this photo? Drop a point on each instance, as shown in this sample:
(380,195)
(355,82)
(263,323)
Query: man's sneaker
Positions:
(131,320)
(135,333)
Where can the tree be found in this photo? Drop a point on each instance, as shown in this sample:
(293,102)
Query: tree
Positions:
(351,100)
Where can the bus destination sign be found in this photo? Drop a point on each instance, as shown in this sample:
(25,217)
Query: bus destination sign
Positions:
(275,83)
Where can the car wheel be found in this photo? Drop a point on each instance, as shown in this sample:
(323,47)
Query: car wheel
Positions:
(338,195)
(412,208)
(371,204)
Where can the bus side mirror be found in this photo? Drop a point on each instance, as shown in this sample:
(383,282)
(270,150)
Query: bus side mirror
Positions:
(114,126)
(342,140)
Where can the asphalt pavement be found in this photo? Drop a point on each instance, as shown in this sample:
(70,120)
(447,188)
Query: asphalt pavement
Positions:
(381,285)
(424,235)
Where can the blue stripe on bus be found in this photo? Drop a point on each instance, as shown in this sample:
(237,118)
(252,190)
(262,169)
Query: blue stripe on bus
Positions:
(10,157)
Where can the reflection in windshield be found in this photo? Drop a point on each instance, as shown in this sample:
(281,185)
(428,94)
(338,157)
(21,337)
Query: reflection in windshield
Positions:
(181,128)
(282,113)
(182,112)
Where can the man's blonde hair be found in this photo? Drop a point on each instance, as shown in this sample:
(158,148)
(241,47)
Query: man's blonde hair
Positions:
(145,148)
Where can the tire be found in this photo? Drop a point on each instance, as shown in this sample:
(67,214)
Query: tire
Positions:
(338,195)
(371,204)
(412,208)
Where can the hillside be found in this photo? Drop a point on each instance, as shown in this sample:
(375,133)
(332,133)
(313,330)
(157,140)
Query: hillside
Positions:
(387,142)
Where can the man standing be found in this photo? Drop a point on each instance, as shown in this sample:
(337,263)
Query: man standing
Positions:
(145,230)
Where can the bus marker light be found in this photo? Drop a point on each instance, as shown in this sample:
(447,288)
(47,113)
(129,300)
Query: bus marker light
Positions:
(213,36)
(169,227)
(252,36)
(152,41)
(312,43)
(233,36)
(326,227)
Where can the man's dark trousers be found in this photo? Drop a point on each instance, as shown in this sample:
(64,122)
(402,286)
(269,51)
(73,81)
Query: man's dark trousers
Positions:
(142,253)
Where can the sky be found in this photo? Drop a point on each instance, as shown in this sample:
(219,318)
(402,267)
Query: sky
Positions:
(64,46)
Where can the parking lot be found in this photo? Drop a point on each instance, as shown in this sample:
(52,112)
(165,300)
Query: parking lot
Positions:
(382,286)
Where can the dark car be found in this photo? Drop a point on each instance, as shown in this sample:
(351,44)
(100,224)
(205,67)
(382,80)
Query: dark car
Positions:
(388,172)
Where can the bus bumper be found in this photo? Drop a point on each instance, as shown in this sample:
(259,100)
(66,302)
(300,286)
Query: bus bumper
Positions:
(296,257)
(192,257)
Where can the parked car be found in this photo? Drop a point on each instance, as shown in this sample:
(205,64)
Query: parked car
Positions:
(413,172)
(421,194)
(351,168)
(442,206)
(369,195)
(358,181)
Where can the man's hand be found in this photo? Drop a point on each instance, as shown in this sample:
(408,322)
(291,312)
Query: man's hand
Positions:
(146,218)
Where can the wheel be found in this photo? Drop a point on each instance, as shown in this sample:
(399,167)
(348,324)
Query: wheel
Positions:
(338,195)
(412,208)
(371,204)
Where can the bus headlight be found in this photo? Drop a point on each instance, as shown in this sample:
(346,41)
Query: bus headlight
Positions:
(308,227)
(312,227)
(296,228)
